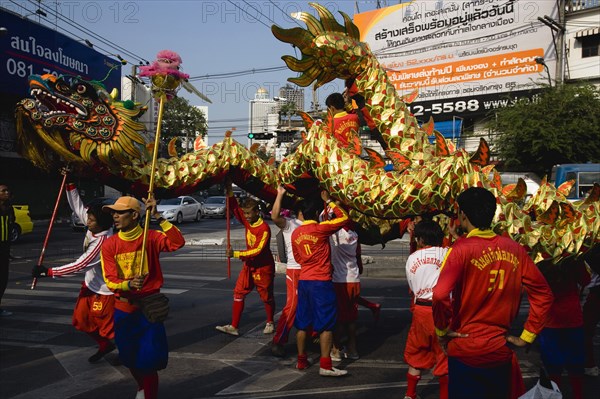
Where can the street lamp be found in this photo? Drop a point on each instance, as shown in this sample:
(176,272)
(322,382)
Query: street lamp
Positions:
(540,60)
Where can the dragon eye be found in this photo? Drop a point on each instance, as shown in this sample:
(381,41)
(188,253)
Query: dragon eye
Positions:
(81,89)
(62,87)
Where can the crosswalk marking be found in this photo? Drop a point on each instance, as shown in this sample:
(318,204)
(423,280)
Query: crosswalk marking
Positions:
(43,317)
(19,334)
(82,376)
(63,305)
(72,293)
(192,278)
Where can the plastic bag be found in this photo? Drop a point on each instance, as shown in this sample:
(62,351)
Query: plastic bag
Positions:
(541,392)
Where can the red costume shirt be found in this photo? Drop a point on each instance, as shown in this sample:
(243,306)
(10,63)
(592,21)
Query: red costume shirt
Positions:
(122,253)
(566,310)
(486,273)
(258,238)
(345,125)
(310,244)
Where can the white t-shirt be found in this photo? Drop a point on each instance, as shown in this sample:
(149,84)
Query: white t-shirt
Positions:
(290,225)
(344,244)
(423,270)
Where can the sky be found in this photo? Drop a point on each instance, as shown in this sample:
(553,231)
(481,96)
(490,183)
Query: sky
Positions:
(212,37)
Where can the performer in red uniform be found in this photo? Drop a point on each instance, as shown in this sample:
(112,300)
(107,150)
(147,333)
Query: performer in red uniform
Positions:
(96,303)
(562,340)
(422,271)
(591,311)
(142,344)
(258,269)
(292,274)
(356,103)
(345,125)
(316,295)
(478,294)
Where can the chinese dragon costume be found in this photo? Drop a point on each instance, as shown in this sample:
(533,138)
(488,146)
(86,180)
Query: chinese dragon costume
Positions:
(83,125)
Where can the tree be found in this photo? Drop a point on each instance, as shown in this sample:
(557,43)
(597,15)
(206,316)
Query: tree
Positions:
(561,125)
(182,120)
(288,109)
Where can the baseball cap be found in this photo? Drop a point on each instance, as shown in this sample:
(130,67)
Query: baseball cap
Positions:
(123,204)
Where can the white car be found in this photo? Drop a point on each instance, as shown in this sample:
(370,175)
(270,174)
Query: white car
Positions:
(214,207)
(180,209)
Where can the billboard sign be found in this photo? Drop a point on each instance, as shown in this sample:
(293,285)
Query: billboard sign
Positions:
(29,48)
(464,57)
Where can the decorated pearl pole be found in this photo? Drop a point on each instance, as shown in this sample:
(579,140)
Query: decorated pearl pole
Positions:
(166,78)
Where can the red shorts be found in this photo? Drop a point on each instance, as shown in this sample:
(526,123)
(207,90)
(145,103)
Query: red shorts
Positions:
(94,313)
(347,296)
(259,277)
(422,349)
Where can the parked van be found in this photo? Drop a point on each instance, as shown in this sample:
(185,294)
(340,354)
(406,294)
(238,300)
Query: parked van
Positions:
(584,174)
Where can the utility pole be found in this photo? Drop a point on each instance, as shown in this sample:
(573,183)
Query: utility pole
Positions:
(559,41)
(560,67)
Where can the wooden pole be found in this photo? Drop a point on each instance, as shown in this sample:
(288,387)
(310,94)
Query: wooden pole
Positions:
(54,212)
(152,174)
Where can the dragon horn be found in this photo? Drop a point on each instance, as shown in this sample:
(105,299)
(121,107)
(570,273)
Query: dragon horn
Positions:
(327,19)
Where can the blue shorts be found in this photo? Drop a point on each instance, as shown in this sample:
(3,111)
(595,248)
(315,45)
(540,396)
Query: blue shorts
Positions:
(142,345)
(468,382)
(317,306)
(562,348)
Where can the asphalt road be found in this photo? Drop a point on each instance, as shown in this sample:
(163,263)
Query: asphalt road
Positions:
(42,355)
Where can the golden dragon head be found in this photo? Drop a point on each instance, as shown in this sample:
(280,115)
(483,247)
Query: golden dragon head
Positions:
(80,122)
(329,50)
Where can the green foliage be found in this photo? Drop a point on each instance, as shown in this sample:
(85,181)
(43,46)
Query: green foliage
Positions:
(288,110)
(181,119)
(561,125)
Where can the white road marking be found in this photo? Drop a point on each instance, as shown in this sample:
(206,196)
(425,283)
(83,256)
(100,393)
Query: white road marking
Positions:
(82,376)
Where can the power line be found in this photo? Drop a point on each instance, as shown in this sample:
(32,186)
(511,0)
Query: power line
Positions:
(247,13)
(85,30)
(238,73)
(283,13)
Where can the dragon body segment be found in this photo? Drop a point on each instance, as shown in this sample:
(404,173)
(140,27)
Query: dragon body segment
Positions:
(84,125)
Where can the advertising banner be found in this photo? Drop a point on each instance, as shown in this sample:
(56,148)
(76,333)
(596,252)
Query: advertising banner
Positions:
(464,57)
(28,48)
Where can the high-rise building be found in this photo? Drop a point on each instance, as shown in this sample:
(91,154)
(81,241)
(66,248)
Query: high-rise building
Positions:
(263,113)
(293,94)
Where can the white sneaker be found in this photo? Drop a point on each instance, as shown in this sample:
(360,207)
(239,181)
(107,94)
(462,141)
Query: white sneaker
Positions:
(228,329)
(591,371)
(335,356)
(269,328)
(140,394)
(332,373)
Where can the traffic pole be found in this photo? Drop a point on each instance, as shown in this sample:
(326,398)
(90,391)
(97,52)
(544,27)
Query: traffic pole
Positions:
(54,212)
